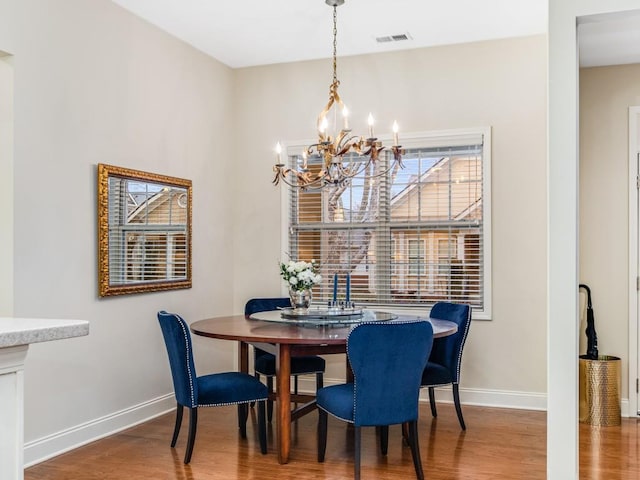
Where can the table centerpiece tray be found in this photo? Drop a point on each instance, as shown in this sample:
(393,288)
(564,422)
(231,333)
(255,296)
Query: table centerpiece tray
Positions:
(317,317)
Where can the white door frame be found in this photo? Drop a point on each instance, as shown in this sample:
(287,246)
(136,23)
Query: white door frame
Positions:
(634,272)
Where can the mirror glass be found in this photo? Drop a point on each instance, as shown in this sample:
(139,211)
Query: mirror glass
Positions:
(144,231)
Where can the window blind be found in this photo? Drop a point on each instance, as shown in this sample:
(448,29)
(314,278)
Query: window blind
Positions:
(147,232)
(414,236)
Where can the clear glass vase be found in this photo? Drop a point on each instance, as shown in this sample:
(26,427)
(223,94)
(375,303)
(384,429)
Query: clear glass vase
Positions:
(300,299)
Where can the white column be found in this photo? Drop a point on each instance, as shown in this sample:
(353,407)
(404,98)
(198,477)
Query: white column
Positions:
(12,412)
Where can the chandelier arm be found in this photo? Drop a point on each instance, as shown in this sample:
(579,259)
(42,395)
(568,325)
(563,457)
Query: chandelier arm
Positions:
(280,175)
(311,147)
(352,170)
(283,174)
(344,141)
(328,159)
(394,166)
(397,155)
(340,140)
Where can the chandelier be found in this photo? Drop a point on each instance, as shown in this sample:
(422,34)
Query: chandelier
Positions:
(337,168)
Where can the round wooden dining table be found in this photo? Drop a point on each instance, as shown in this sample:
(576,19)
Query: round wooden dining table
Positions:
(285,340)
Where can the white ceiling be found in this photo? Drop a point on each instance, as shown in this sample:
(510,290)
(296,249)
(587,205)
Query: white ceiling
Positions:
(242,33)
(611,39)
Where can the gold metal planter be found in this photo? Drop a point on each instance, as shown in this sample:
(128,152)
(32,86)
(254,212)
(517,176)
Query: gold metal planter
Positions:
(600,390)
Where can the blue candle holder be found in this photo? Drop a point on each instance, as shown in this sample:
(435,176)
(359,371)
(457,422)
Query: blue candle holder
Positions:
(348,297)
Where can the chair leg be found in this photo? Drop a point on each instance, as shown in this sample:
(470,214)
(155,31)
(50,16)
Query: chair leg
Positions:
(193,424)
(262,427)
(319,381)
(295,384)
(243,413)
(384,439)
(415,449)
(176,429)
(257,375)
(432,401)
(405,432)
(322,434)
(456,401)
(270,402)
(356,460)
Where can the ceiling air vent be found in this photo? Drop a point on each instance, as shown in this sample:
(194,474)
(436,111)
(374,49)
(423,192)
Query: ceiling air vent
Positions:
(393,38)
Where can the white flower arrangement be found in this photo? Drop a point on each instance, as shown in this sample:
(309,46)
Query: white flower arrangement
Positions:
(300,275)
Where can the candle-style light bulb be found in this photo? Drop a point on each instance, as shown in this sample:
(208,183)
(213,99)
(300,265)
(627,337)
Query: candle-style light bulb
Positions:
(304,159)
(395,134)
(345,117)
(323,126)
(370,123)
(278,152)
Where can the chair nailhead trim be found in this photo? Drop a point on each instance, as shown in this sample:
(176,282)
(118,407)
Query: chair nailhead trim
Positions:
(259,399)
(336,416)
(293,374)
(464,339)
(186,342)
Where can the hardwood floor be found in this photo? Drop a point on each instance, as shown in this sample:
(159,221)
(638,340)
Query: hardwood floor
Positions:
(498,444)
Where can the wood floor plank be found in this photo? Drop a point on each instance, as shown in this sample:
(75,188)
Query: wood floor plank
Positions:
(498,444)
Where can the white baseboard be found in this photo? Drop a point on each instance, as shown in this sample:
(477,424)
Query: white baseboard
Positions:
(473,396)
(468,396)
(50,446)
(491,398)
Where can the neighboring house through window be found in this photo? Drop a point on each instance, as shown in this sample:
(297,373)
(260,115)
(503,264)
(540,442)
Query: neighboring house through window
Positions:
(412,237)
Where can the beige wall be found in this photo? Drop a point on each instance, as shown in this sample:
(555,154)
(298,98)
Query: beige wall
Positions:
(501,84)
(606,93)
(95,84)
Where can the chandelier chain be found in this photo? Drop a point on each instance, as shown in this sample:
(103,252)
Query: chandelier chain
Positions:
(335,43)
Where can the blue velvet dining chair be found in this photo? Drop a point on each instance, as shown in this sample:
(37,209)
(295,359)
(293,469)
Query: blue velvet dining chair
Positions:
(387,359)
(213,390)
(265,363)
(444,363)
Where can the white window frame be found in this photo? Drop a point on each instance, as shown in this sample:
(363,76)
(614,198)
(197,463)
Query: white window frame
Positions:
(417,140)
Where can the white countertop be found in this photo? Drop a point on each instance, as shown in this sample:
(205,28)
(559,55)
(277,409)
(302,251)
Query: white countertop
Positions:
(23,331)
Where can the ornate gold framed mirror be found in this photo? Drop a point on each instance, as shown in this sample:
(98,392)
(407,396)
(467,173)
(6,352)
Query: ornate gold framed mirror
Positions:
(144,231)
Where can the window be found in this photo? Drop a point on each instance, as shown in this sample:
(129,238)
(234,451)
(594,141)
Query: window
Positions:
(414,236)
